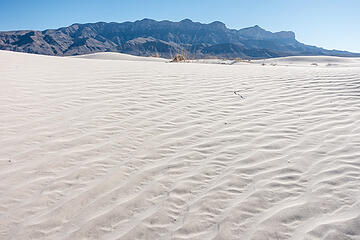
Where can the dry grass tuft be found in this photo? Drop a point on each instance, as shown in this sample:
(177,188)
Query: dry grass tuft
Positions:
(179,58)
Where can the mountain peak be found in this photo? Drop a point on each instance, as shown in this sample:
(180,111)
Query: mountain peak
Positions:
(218,24)
(254,28)
(147,20)
(186,20)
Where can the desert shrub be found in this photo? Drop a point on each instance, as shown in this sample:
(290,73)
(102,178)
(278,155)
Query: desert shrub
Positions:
(157,55)
(179,58)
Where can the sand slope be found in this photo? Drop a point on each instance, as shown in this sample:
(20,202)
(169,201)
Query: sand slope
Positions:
(94,149)
(120,56)
(317,61)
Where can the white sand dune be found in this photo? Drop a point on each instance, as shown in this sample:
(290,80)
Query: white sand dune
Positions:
(120,56)
(94,149)
(314,61)
(299,61)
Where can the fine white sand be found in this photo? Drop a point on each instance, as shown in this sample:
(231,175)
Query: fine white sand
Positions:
(118,149)
(319,61)
(120,56)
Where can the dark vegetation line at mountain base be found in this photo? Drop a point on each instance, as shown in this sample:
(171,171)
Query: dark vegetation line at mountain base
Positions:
(162,39)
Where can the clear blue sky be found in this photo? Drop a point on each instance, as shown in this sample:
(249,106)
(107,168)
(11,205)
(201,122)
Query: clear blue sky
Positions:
(333,24)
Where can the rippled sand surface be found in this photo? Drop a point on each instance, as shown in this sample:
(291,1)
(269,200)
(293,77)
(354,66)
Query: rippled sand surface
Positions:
(117,149)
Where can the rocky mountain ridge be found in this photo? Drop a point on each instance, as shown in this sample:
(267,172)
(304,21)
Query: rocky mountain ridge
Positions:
(148,37)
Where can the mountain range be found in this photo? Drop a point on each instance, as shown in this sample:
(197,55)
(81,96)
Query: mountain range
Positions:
(148,37)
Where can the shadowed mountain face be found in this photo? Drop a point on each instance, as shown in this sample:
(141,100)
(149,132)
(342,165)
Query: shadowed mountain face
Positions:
(149,37)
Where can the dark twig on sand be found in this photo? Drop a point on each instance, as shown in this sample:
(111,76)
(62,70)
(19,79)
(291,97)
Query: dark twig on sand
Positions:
(238,93)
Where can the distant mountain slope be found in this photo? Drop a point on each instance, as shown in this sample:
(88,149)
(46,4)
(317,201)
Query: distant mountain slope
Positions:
(165,38)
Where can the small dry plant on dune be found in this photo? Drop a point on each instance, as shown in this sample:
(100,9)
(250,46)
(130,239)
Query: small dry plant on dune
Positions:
(179,58)
(156,55)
